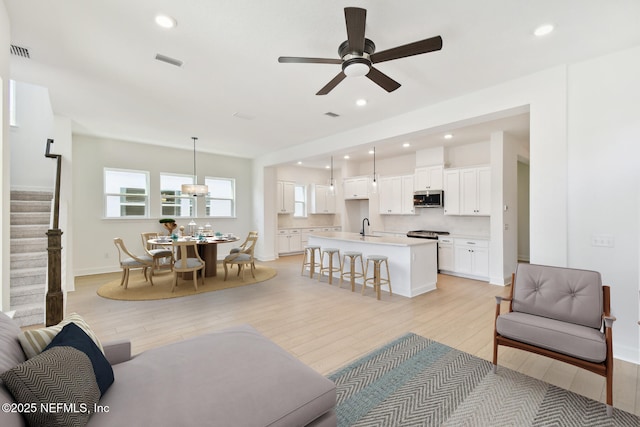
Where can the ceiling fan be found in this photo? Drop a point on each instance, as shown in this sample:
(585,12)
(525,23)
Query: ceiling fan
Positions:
(357,54)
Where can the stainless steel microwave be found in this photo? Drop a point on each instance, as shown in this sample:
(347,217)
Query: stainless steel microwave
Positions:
(428,199)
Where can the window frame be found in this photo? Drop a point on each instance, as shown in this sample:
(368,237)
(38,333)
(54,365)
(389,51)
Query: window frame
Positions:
(208,198)
(304,202)
(192,200)
(107,195)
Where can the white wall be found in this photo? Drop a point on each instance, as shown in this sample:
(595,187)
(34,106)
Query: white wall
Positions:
(35,124)
(5,157)
(604,182)
(93,248)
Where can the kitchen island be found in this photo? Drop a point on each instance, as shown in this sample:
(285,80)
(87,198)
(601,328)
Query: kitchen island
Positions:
(413,264)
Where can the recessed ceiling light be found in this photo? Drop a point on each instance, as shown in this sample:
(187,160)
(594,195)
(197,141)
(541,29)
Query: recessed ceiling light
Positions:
(327,167)
(448,136)
(371,151)
(361,102)
(166,21)
(299,162)
(346,157)
(543,30)
(406,144)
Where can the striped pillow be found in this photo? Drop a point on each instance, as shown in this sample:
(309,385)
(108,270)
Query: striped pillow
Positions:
(34,341)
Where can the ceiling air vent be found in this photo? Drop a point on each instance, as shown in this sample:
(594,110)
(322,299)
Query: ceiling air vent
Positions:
(19,51)
(169,60)
(330,114)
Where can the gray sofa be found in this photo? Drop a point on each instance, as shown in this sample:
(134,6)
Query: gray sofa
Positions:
(235,377)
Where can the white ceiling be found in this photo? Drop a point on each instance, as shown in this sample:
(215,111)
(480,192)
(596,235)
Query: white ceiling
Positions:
(97,59)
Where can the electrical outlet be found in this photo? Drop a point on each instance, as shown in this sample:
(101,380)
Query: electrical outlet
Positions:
(106,254)
(602,240)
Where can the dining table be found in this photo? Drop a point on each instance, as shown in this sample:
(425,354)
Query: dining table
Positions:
(207,248)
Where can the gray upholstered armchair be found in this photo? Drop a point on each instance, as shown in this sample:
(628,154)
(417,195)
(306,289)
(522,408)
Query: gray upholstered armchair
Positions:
(561,313)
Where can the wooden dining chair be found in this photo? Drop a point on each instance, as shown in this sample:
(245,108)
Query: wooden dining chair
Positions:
(188,261)
(244,244)
(243,257)
(162,256)
(129,261)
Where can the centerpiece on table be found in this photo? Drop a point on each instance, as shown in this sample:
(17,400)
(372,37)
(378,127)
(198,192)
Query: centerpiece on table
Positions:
(169,224)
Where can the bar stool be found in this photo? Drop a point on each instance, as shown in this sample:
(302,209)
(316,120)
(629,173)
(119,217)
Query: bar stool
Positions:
(309,259)
(352,273)
(329,268)
(376,280)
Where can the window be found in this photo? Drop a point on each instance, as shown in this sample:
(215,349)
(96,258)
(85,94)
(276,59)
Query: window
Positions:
(174,203)
(126,193)
(300,201)
(221,200)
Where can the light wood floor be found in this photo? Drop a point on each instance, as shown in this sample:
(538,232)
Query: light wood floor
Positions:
(326,326)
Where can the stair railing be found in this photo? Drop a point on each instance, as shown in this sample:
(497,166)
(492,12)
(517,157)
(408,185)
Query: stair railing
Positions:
(55,297)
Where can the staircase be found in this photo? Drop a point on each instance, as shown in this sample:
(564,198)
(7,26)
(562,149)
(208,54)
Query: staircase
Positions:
(30,219)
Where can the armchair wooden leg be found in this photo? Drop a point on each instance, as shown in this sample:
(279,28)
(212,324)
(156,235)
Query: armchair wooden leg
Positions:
(224,264)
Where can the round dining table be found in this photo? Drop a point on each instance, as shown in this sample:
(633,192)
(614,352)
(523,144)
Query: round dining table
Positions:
(207,248)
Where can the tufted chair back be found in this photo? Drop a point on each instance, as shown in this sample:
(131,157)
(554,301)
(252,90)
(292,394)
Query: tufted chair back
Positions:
(565,294)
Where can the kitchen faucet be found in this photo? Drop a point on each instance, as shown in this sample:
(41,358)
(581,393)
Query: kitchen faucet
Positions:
(362,231)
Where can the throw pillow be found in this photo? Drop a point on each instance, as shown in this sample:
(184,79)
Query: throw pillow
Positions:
(72,336)
(55,388)
(34,341)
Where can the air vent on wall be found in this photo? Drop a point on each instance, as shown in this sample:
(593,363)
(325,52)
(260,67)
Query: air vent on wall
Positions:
(330,114)
(19,51)
(169,60)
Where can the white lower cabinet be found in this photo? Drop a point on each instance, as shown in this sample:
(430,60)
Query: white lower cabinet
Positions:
(471,258)
(445,254)
(289,241)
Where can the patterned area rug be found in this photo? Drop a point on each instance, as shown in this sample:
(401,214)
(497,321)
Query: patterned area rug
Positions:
(414,381)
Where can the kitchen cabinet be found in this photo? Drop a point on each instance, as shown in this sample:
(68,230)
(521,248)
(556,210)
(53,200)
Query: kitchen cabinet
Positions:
(396,195)
(285,197)
(475,191)
(467,191)
(289,241)
(471,257)
(429,178)
(356,187)
(451,192)
(323,200)
(445,254)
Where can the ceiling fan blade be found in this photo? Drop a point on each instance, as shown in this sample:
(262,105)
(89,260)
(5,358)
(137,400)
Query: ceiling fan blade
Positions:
(355,18)
(298,60)
(333,83)
(415,48)
(382,80)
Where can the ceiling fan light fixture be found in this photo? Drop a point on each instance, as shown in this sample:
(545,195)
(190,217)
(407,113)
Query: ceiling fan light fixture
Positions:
(356,67)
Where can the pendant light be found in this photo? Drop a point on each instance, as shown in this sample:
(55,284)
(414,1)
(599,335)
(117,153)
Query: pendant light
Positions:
(374,183)
(331,186)
(195,189)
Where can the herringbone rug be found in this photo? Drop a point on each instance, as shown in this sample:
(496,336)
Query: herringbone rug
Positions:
(414,381)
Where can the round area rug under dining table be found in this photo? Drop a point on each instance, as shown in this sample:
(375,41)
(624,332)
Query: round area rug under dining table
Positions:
(140,290)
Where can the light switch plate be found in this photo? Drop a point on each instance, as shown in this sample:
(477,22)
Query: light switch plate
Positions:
(602,240)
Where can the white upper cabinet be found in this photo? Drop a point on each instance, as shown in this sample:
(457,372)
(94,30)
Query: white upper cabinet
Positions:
(356,187)
(467,191)
(451,192)
(323,200)
(429,178)
(286,197)
(396,195)
(475,191)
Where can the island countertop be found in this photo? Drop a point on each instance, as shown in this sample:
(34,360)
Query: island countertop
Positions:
(380,240)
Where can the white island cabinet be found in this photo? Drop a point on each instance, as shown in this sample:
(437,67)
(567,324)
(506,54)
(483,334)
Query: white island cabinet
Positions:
(412,262)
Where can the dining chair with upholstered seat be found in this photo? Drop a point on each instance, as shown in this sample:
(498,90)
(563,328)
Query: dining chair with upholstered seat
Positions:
(130,261)
(162,256)
(188,261)
(243,257)
(243,246)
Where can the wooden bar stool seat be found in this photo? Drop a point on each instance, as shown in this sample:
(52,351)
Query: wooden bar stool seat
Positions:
(352,274)
(376,280)
(329,268)
(309,259)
